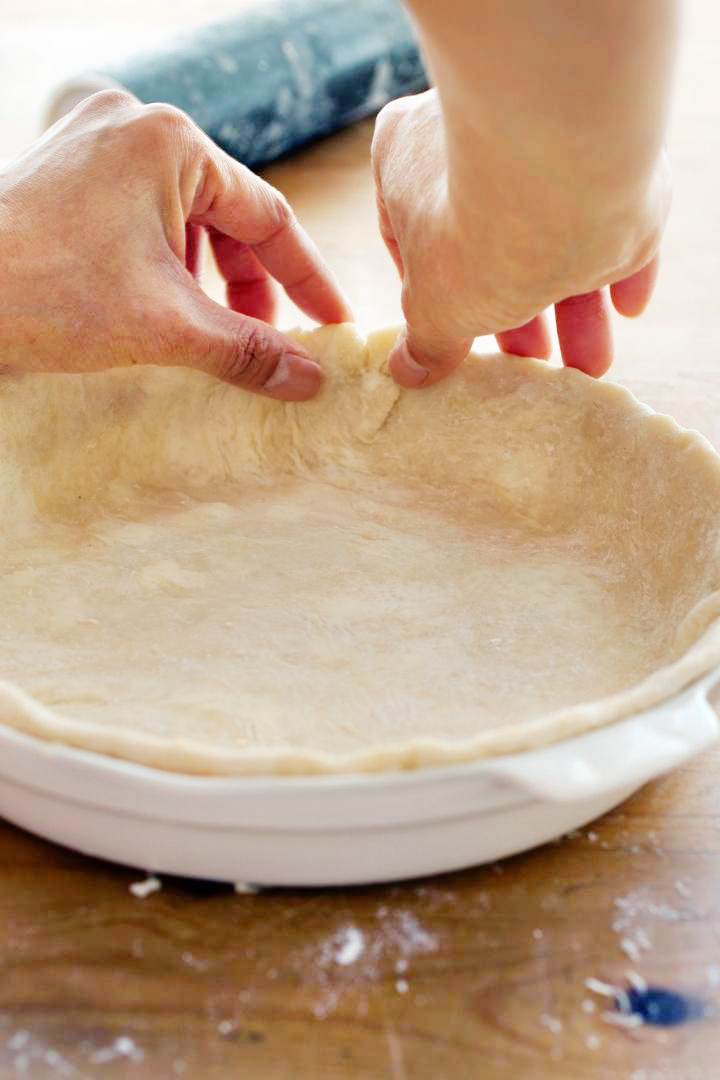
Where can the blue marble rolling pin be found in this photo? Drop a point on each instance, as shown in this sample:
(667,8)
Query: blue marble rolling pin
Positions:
(278,74)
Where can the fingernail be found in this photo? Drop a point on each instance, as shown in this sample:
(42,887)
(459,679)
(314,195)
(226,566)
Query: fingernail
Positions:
(295,378)
(406,371)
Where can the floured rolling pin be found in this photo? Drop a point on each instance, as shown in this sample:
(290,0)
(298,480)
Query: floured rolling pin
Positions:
(278,74)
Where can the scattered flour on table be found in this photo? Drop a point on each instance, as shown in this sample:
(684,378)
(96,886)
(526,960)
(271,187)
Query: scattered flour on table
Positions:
(26,1055)
(353,958)
(637,911)
(639,904)
(29,1056)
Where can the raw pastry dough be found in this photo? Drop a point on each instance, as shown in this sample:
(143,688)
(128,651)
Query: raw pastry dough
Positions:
(211,582)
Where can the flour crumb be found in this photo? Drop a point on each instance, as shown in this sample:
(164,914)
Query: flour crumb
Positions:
(350,946)
(225,1027)
(551,1023)
(712,974)
(192,961)
(636,981)
(123,1047)
(631,949)
(402,986)
(141,889)
(593,1041)
(622,1000)
(244,888)
(588,1006)
(622,1019)
(643,939)
(537,934)
(595,986)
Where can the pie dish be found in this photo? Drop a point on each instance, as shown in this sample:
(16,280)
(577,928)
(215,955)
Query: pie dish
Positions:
(340,829)
(211,583)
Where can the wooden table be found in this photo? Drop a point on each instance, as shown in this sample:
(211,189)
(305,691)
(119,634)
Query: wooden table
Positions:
(475,975)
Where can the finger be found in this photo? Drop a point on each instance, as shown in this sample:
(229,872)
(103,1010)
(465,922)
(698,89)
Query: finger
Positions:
(242,206)
(583,329)
(416,361)
(532,339)
(194,243)
(242,350)
(250,289)
(290,256)
(631,295)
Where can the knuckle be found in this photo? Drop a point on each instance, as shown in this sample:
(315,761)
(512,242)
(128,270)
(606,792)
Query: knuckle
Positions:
(165,115)
(275,212)
(155,126)
(386,122)
(578,300)
(644,251)
(428,313)
(437,336)
(251,357)
(391,114)
(280,213)
(107,101)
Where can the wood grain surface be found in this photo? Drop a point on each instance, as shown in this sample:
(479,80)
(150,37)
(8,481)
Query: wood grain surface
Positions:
(474,975)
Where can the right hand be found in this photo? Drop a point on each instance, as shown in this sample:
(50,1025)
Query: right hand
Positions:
(488,252)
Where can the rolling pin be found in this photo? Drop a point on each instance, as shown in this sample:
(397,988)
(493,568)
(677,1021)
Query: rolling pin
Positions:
(278,74)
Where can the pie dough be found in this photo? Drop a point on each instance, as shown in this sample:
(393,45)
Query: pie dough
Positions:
(212,582)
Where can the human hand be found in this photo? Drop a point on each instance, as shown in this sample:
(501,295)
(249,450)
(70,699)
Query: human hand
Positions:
(487,250)
(100,223)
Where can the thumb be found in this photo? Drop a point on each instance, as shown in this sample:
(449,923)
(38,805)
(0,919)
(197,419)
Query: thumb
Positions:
(244,351)
(422,355)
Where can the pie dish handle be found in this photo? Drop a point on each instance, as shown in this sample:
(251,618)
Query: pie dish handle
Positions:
(623,755)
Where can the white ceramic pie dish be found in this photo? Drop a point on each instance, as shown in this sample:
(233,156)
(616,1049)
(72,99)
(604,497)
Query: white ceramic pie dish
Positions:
(369,637)
(343,829)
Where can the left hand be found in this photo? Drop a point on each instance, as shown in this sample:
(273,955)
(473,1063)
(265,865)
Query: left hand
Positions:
(99,228)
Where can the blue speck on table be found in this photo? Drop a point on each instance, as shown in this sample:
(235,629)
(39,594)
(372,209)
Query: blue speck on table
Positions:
(662,1007)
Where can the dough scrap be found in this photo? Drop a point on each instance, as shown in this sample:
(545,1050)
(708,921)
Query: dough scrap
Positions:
(204,581)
